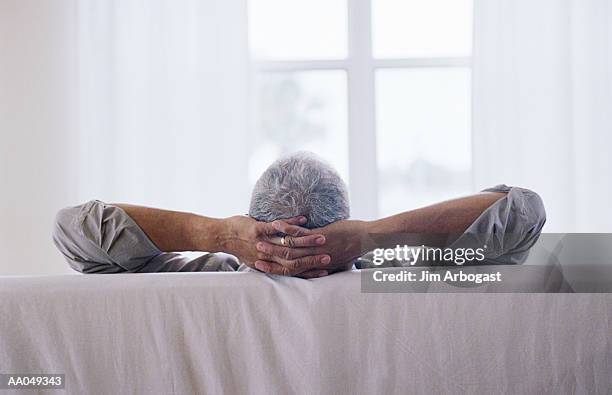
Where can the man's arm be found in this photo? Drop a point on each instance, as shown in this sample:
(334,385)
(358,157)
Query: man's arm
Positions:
(180,231)
(436,225)
(96,237)
(177,231)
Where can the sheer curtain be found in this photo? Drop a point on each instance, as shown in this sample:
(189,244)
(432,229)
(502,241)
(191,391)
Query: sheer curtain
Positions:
(542,113)
(162,103)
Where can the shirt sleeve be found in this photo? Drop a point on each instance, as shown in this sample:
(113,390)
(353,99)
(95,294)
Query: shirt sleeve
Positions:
(508,228)
(97,237)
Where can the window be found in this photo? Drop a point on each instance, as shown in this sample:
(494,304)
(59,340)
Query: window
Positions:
(379,88)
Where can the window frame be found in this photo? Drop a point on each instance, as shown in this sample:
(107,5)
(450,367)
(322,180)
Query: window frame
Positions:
(360,67)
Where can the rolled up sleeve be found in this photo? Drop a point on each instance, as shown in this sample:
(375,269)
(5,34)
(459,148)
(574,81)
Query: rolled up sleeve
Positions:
(97,237)
(509,228)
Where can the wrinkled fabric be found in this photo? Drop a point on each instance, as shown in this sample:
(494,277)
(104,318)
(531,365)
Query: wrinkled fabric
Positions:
(97,237)
(250,333)
(509,228)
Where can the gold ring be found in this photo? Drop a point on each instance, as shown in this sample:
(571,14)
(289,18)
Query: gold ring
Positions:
(283,241)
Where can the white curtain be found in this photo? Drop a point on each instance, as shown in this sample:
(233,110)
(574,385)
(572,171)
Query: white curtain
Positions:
(162,95)
(543,105)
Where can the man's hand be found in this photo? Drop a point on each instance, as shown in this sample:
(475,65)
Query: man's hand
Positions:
(240,235)
(344,242)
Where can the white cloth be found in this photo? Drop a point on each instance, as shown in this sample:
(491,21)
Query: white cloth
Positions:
(248,333)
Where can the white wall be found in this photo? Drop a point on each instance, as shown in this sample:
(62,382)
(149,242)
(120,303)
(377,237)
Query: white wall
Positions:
(36,127)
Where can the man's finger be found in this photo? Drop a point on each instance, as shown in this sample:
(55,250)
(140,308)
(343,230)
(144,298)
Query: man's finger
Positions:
(299,220)
(280,226)
(301,265)
(284,252)
(272,268)
(306,263)
(316,273)
(288,229)
(301,242)
(291,267)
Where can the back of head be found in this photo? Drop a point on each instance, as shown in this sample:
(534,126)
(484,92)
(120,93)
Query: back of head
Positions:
(300,184)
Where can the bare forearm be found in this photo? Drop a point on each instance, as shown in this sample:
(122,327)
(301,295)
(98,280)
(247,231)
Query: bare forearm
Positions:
(178,231)
(237,235)
(435,225)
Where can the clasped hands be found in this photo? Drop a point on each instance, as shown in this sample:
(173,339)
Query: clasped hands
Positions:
(305,253)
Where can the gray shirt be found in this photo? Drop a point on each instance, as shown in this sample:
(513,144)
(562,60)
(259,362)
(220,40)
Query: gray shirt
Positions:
(97,237)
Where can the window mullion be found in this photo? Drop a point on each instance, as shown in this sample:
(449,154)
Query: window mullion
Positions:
(300,65)
(363,170)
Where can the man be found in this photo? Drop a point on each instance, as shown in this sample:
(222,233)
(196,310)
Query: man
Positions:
(297,225)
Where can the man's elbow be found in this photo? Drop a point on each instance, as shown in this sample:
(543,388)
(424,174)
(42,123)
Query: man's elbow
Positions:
(78,247)
(63,227)
(535,210)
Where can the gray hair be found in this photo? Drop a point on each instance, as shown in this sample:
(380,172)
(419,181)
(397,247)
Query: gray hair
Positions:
(300,184)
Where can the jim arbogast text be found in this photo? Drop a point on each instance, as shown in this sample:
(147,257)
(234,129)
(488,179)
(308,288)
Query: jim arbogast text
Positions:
(426,275)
